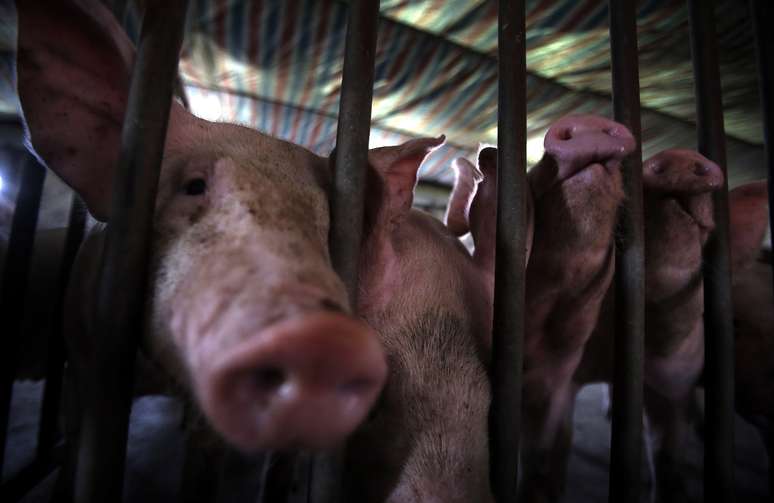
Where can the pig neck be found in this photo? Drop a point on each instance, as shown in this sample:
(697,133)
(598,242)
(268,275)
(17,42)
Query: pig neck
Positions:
(570,267)
(674,301)
(426,439)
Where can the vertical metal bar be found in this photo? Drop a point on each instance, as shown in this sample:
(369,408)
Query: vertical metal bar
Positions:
(626,437)
(52,391)
(762,13)
(122,283)
(347,197)
(508,322)
(718,314)
(15,273)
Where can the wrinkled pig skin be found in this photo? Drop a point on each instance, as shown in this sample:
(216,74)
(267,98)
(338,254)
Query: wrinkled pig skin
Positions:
(577,189)
(753,298)
(426,440)
(244,307)
(678,187)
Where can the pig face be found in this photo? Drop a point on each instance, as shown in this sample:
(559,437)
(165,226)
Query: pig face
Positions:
(687,179)
(678,186)
(244,305)
(578,181)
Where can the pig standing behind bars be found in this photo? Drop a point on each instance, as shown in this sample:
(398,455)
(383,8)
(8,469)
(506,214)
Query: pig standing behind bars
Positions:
(678,187)
(245,309)
(574,196)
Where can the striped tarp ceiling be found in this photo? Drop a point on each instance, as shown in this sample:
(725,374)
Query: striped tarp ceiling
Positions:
(276,65)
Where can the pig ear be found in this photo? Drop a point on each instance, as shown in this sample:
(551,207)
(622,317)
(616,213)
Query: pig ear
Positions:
(74,63)
(466,180)
(748,219)
(397,169)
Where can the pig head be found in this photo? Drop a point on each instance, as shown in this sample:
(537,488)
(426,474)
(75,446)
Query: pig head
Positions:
(245,309)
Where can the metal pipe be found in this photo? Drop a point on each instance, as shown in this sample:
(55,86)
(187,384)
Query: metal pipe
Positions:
(348,194)
(626,436)
(509,293)
(15,272)
(718,314)
(52,390)
(762,14)
(123,273)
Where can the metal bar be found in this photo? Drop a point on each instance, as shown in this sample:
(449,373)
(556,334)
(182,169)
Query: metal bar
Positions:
(123,278)
(762,14)
(52,390)
(509,294)
(14,287)
(626,436)
(30,476)
(718,314)
(348,195)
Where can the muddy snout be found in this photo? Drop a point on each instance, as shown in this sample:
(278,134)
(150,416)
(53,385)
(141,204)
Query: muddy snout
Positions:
(681,171)
(578,141)
(304,382)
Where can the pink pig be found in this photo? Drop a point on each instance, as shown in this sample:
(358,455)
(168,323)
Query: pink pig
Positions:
(244,307)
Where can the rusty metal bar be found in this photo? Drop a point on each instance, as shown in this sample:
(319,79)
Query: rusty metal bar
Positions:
(15,273)
(348,194)
(626,436)
(123,274)
(508,322)
(762,14)
(718,309)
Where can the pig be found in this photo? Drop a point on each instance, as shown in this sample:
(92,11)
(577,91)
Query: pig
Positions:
(242,292)
(678,186)
(678,218)
(426,439)
(753,300)
(572,201)
(577,189)
(244,310)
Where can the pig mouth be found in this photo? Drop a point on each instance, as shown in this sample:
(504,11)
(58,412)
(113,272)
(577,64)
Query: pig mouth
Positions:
(695,210)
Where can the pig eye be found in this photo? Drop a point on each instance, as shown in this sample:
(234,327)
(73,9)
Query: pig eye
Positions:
(195,187)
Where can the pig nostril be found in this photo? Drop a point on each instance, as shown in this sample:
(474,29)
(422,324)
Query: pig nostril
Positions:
(657,168)
(700,169)
(268,378)
(564,134)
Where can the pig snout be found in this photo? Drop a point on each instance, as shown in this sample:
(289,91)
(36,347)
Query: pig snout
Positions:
(681,171)
(306,381)
(578,141)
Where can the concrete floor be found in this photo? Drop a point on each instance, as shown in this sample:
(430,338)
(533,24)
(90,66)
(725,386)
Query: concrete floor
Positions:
(155,452)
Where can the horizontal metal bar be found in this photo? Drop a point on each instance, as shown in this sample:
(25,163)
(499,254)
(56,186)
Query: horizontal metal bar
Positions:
(509,294)
(124,269)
